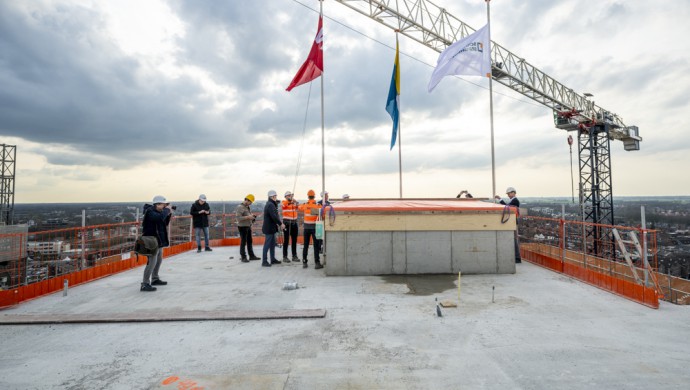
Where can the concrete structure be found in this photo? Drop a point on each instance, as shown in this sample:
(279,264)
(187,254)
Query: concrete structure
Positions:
(420,236)
(539,330)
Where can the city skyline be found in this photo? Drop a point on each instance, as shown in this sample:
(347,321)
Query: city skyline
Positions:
(120,101)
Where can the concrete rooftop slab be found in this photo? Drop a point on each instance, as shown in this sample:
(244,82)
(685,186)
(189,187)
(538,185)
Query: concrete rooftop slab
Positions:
(542,330)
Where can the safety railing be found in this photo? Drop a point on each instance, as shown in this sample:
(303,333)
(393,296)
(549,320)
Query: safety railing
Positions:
(27,258)
(591,253)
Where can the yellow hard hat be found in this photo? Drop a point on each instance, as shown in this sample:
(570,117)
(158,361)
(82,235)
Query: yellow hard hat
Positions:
(250,197)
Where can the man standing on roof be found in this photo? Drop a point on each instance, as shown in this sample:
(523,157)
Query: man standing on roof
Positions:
(271,226)
(244,217)
(200,211)
(310,229)
(155,223)
(291,230)
(513,202)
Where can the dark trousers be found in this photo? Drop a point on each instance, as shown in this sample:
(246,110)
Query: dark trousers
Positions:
(269,249)
(290,233)
(310,233)
(246,240)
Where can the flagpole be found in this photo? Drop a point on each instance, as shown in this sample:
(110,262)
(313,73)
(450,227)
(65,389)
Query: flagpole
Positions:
(323,153)
(491,107)
(399,124)
(323,147)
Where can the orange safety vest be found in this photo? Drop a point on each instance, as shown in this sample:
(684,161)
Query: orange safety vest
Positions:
(306,208)
(289,210)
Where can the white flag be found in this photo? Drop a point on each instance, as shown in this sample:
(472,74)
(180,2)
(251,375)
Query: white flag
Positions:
(470,56)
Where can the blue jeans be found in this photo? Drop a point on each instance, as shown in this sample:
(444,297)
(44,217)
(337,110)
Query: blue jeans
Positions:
(269,244)
(198,236)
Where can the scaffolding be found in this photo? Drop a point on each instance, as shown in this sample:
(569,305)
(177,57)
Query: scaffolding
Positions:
(9,156)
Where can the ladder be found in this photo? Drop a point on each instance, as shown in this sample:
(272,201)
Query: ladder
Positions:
(637,249)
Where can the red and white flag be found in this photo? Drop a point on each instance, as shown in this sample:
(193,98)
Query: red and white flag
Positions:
(313,66)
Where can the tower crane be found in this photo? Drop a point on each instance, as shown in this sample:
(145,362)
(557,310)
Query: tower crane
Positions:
(596,127)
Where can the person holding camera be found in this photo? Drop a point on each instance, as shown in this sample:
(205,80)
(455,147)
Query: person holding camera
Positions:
(155,223)
(244,216)
(290,232)
(200,211)
(272,224)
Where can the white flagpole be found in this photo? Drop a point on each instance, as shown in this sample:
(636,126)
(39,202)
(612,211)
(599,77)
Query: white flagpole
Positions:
(323,147)
(323,144)
(491,106)
(397,48)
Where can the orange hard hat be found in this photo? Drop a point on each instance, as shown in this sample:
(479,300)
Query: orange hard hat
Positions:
(311,193)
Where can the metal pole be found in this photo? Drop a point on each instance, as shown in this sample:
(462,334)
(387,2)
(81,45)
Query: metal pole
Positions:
(491,110)
(323,150)
(83,239)
(644,246)
(323,144)
(562,236)
(572,180)
(399,121)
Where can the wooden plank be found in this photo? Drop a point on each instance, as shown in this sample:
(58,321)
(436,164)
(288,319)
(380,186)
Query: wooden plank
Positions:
(421,222)
(195,315)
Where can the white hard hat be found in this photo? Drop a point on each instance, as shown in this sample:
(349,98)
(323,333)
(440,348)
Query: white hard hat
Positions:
(288,193)
(346,196)
(202,197)
(272,193)
(510,189)
(324,193)
(159,199)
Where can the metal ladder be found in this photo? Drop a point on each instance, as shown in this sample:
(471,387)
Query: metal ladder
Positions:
(649,272)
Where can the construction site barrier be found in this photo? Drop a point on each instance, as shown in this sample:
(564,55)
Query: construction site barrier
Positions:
(592,254)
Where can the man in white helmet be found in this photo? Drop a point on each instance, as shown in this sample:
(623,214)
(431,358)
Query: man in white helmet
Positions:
(513,202)
(155,223)
(200,211)
(271,226)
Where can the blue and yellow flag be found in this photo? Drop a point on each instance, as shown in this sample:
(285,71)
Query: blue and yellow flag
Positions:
(393,103)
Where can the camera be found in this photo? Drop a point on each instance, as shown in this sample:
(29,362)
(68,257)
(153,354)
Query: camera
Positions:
(173,207)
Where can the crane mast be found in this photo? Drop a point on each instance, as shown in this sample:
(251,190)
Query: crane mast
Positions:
(436,28)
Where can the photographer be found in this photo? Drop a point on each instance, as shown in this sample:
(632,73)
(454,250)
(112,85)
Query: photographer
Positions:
(155,223)
(244,217)
(200,211)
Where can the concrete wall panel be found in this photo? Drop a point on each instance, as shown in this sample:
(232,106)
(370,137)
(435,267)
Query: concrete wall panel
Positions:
(428,252)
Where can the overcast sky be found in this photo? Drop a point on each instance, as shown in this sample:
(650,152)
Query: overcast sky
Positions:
(122,100)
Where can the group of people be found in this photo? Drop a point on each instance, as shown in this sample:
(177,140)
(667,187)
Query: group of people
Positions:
(283,217)
(155,223)
(158,214)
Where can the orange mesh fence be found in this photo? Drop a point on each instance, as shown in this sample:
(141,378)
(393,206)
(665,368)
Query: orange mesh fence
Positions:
(589,252)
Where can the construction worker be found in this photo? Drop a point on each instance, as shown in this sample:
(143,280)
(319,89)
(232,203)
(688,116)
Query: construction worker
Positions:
(291,228)
(310,229)
(245,217)
(513,202)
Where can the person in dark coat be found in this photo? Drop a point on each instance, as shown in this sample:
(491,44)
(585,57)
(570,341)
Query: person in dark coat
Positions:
(155,223)
(272,224)
(200,211)
(514,202)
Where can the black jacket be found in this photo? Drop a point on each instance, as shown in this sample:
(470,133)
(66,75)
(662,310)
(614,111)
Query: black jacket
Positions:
(200,220)
(271,218)
(156,224)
